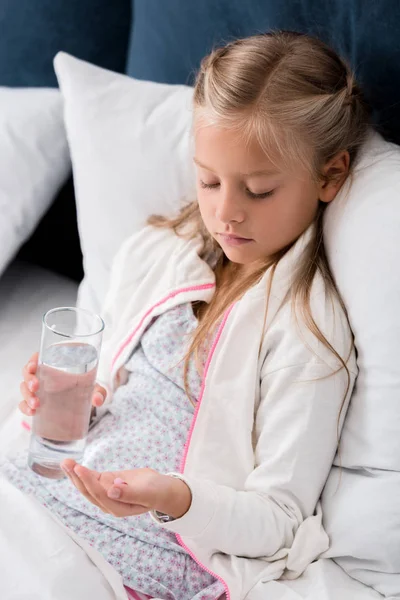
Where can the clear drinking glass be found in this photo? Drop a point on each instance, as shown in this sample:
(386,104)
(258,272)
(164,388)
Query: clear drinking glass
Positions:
(69,351)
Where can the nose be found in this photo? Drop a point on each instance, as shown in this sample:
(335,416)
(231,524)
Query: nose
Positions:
(229,207)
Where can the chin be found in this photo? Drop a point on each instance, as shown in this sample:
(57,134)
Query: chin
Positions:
(237,256)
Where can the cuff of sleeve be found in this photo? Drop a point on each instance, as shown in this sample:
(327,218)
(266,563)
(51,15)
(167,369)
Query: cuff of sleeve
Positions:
(201,510)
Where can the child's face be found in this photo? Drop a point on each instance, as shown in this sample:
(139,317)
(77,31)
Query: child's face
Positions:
(241,193)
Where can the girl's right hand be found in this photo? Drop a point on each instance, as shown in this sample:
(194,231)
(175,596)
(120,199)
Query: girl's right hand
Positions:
(30,386)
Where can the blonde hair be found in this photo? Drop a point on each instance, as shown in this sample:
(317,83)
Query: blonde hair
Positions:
(303,105)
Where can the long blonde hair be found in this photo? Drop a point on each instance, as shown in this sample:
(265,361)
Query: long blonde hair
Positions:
(303,105)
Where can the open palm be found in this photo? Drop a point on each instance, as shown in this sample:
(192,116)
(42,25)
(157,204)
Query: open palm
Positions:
(98,488)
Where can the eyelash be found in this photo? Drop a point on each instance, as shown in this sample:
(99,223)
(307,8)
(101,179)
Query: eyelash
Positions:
(213,186)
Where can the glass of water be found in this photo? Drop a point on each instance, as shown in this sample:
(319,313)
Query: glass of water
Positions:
(68,358)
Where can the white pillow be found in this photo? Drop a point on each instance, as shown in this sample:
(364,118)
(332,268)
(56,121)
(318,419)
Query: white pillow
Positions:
(130,149)
(362,237)
(34,162)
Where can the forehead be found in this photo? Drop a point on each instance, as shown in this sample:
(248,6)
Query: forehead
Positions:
(227,151)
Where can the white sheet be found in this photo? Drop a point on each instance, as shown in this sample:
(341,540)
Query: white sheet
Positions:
(56,564)
(323,580)
(39,560)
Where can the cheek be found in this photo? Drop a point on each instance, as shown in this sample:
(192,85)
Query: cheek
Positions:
(306,206)
(296,215)
(300,218)
(287,216)
(205,204)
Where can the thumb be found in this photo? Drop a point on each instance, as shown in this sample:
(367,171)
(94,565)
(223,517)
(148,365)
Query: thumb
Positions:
(124,493)
(140,486)
(116,491)
(99,395)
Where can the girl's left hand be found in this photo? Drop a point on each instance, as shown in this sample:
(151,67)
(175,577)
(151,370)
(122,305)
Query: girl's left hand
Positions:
(143,490)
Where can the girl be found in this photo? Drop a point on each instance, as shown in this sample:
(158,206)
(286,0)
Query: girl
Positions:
(229,357)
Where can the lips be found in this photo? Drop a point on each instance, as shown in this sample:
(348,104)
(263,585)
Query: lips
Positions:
(233,237)
(234,240)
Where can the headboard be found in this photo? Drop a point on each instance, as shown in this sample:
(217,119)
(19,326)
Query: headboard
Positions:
(170,38)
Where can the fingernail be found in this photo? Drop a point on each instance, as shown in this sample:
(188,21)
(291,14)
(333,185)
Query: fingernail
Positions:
(32,403)
(114,493)
(30,385)
(120,481)
(66,468)
(99,399)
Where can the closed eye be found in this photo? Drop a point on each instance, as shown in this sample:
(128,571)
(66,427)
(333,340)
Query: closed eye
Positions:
(208,186)
(213,186)
(259,196)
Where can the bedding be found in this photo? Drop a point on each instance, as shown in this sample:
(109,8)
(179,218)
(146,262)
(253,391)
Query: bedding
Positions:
(57,565)
(168,40)
(361,498)
(34,162)
(41,560)
(130,150)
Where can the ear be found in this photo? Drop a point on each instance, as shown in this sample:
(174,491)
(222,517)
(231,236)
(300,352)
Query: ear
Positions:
(334,174)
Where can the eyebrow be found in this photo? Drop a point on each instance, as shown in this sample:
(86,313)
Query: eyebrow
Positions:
(259,172)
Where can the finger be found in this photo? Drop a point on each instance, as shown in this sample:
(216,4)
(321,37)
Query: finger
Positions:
(97,399)
(32,383)
(35,357)
(121,492)
(95,489)
(31,387)
(30,399)
(31,365)
(68,464)
(119,480)
(80,486)
(92,489)
(24,408)
(118,495)
(143,486)
(28,396)
(106,479)
(99,395)
(31,380)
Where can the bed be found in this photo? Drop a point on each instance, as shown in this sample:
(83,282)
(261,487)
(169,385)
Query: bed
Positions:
(56,565)
(156,42)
